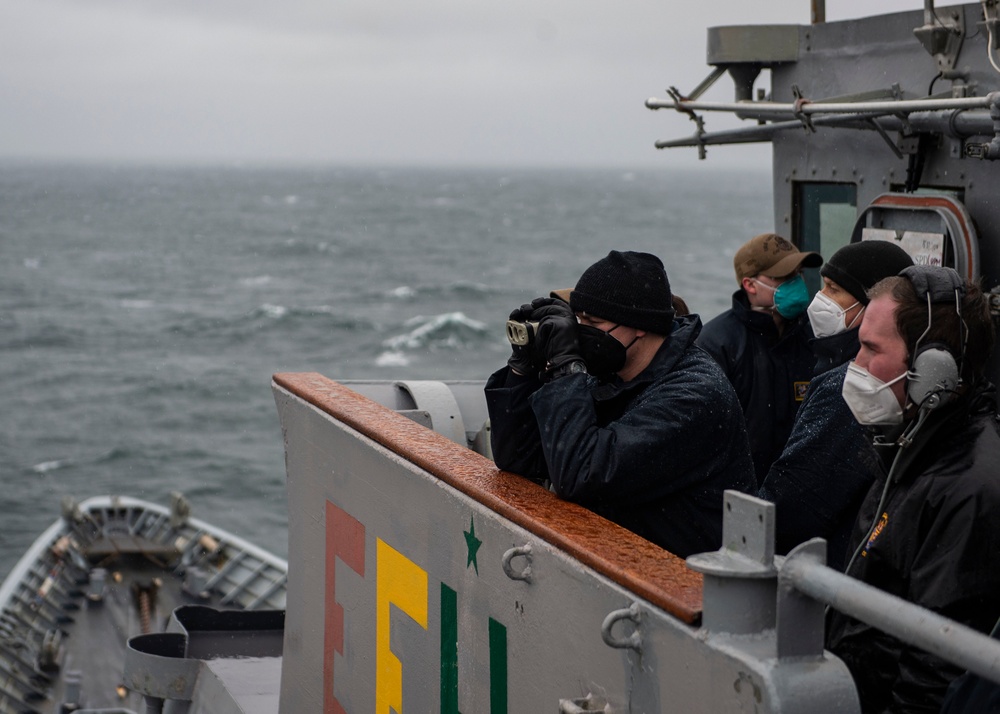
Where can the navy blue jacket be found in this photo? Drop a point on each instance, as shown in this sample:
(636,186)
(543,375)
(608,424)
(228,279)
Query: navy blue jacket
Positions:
(822,476)
(770,373)
(834,350)
(653,455)
(936,546)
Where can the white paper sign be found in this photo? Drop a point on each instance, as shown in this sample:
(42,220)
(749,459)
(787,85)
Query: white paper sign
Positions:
(924,248)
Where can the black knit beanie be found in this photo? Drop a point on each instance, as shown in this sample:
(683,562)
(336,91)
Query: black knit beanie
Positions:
(858,266)
(628,288)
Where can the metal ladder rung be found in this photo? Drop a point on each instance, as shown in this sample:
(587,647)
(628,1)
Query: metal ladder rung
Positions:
(241,586)
(140,523)
(188,550)
(153,530)
(36,611)
(22,683)
(20,703)
(233,562)
(16,617)
(44,573)
(275,586)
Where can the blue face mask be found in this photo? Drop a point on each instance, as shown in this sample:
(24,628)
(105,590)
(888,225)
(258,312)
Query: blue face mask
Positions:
(791,298)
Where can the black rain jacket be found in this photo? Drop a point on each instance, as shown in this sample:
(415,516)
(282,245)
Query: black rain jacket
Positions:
(835,350)
(936,545)
(653,455)
(821,478)
(770,373)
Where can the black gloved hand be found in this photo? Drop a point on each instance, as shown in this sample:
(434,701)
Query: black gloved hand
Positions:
(556,335)
(525,359)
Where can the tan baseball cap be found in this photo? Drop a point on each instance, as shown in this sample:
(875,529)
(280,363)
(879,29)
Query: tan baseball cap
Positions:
(771,255)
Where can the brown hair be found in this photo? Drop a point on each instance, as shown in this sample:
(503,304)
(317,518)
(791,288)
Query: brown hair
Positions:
(946,325)
(680,307)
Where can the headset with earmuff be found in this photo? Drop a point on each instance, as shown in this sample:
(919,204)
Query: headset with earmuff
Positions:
(933,376)
(935,372)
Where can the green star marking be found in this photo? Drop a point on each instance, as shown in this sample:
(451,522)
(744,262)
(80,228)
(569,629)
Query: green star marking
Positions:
(473,544)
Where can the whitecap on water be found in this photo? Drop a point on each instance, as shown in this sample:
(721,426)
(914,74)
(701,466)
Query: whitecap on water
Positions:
(256,280)
(392,358)
(445,330)
(136,304)
(273,311)
(403,292)
(32,263)
(46,466)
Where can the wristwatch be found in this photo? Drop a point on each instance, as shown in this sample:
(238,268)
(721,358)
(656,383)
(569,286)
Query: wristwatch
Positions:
(575,367)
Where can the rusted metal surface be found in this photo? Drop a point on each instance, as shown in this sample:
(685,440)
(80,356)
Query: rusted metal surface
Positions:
(633,562)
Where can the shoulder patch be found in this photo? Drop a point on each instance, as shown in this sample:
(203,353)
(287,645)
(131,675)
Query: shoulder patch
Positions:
(879,527)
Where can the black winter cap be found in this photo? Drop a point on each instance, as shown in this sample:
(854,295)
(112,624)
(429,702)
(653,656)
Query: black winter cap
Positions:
(858,266)
(628,288)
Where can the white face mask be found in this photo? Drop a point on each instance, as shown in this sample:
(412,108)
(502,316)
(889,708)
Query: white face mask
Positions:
(827,317)
(870,399)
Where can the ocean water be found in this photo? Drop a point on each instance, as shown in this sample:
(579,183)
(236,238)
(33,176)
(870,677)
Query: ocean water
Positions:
(144,310)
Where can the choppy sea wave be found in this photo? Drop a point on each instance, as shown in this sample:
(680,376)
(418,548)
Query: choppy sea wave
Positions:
(454,290)
(451,331)
(144,310)
(46,466)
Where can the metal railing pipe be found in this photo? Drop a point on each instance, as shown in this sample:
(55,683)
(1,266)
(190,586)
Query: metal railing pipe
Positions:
(960,125)
(938,635)
(763,109)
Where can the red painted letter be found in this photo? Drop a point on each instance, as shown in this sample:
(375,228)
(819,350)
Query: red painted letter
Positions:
(345,539)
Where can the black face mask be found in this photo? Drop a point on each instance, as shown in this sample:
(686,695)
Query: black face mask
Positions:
(601,352)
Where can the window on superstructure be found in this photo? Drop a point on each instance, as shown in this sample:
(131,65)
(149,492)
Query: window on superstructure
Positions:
(824,219)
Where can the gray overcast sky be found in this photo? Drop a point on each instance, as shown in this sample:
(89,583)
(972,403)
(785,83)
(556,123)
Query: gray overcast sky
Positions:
(479,82)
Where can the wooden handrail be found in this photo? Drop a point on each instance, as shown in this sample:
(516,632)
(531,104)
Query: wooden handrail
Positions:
(645,569)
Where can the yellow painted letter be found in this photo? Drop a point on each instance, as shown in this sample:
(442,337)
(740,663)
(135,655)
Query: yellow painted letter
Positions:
(401,583)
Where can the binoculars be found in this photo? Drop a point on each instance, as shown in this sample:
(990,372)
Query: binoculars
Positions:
(521,333)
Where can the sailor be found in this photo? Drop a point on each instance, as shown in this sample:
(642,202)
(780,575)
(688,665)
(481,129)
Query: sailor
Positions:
(928,531)
(836,311)
(828,463)
(762,342)
(615,405)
